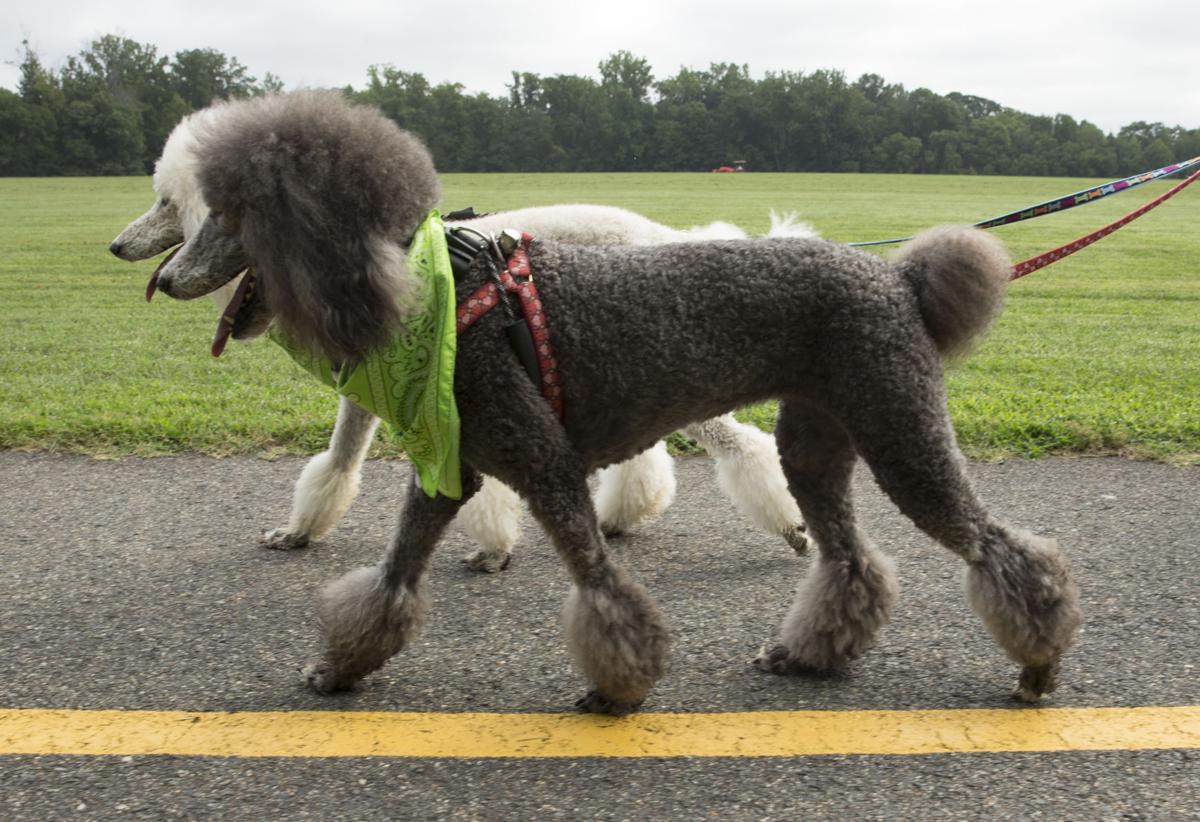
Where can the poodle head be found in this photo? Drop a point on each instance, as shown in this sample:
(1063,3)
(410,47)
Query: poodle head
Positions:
(179,206)
(320,196)
(152,233)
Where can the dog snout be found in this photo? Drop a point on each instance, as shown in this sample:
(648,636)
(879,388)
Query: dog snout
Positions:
(163,285)
(116,247)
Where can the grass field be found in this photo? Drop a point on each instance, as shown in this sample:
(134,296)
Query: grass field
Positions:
(1096,354)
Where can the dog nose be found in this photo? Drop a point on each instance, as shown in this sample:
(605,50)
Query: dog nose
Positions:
(115,247)
(163,284)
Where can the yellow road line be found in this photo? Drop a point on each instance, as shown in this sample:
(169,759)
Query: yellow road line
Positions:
(477,735)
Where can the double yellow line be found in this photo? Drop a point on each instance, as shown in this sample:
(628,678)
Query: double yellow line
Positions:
(479,735)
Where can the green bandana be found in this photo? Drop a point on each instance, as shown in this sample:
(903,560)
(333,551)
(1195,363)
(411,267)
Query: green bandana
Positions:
(410,384)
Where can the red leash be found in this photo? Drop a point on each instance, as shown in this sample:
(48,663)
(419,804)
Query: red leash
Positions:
(1042,260)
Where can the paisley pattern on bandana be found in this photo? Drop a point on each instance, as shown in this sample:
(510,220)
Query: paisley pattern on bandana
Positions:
(410,384)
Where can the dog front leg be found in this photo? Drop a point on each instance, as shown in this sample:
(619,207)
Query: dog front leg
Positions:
(493,519)
(638,489)
(371,614)
(329,483)
(614,630)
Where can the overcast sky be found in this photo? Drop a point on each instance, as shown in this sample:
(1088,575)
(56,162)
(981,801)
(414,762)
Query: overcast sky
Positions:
(1105,61)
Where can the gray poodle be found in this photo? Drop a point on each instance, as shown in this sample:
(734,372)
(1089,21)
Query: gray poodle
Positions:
(321,198)
(630,492)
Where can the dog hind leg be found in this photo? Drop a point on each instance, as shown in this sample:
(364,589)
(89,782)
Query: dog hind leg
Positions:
(1019,584)
(371,613)
(329,482)
(749,473)
(847,596)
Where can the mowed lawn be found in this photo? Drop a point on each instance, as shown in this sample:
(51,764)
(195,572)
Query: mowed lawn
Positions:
(1099,353)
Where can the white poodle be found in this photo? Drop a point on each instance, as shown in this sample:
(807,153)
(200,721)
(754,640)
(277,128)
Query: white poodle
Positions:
(639,489)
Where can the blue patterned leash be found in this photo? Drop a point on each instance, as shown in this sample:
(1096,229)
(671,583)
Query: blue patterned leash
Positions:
(1058,204)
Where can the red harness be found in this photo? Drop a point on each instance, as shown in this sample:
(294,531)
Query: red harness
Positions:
(517,279)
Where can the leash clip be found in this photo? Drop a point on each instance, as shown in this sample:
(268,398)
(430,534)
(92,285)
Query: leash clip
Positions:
(508,241)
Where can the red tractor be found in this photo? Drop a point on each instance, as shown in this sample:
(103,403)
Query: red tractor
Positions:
(738,165)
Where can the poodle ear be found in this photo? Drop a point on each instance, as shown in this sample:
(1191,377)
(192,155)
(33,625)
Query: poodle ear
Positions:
(320,191)
(340,300)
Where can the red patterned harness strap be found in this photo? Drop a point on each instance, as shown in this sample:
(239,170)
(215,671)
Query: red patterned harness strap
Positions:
(517,279)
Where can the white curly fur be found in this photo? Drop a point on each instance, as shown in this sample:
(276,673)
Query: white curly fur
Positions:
(179,207)
(636,490)
(789,224)
(749,473)
(493,519)
(323,494)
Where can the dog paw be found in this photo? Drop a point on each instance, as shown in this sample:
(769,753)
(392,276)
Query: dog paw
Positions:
(487,562)
(779,660)
(1036,682)
(322,678)
(594,702)
(797,537)
(282,540)
(774,660)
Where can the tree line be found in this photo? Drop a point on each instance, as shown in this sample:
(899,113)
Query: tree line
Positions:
(110,108)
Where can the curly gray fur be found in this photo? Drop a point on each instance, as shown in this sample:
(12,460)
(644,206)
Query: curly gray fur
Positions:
(959,283)
(836,617)
(649,340)
(365,621)
(1021,587)
(291,172)
(617,638)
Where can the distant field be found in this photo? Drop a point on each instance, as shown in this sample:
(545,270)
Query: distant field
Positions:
(1096,354)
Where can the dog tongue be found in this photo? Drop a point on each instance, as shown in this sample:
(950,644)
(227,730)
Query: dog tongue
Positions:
(152,286)
(225,324)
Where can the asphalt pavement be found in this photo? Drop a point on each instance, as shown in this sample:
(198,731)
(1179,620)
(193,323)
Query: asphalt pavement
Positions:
(139,585)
